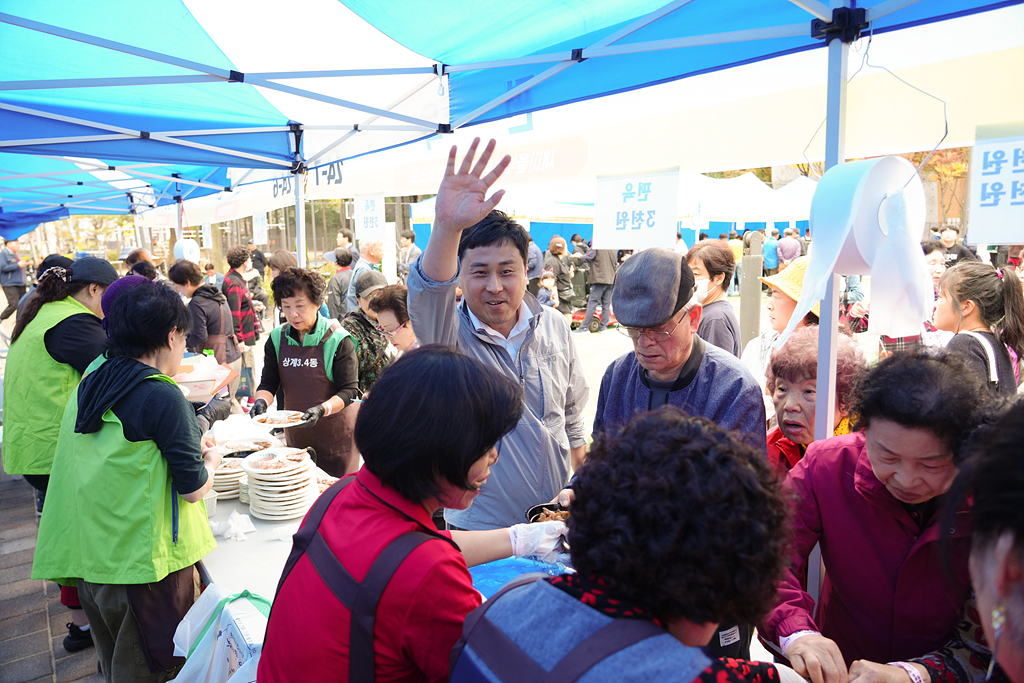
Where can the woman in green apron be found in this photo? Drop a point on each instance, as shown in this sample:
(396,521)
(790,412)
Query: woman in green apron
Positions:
(310,365)
(58,334)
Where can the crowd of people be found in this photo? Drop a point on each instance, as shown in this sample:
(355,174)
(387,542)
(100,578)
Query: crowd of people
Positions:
(453,401)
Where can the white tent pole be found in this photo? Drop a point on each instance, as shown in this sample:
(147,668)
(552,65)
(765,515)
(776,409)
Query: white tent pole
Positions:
(881,9)
(835,148)
(341,73)
(139,134)
(558,68)
(347,104)
(225,74)
(180,208)
(816,8)
(59,83)
(409,93)
(300,220)
(786,31)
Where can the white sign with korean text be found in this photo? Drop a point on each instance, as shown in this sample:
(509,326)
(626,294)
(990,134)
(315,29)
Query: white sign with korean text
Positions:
(636,211)
(207,236)
(369,218)
(259,228)
(997,192)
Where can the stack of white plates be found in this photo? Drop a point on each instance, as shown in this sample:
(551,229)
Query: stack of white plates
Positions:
(226,478)
(282,483)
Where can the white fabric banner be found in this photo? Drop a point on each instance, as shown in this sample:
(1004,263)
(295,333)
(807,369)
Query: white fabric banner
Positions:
(207,236)
(259,228)
(370,218)
(997,192)
(636,211)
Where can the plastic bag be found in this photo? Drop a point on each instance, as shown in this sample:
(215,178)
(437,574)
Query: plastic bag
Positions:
(221,635)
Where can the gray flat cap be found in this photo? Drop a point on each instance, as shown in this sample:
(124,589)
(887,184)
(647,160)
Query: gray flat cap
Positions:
(650,287)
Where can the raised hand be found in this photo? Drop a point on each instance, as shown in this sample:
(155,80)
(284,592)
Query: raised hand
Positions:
(462,198)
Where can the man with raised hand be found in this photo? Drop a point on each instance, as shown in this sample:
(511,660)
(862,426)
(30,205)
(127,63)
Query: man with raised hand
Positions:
(485,253)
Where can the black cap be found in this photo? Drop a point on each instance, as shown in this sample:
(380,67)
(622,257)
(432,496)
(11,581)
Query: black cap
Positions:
(53,261)
(95,270)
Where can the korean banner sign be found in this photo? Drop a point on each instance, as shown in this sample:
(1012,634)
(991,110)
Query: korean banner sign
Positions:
(997,192)
(370,218)
(259,228)
(636,211)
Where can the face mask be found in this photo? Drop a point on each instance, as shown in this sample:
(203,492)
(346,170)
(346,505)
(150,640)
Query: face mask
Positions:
(702,289)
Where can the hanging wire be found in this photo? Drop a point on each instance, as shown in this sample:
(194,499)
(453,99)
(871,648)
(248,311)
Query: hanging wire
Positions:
(866,61)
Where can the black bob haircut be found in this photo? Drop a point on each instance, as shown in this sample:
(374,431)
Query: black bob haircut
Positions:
(430,416)
(924,389)
(681,518)
(295,281)
(140,319)
(494,230)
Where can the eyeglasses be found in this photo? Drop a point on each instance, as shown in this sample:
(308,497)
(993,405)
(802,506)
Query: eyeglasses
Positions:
(391,333)
(653,335)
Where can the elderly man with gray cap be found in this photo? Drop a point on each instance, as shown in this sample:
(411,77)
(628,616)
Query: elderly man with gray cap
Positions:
(373,253)
(655,304)
(500,324)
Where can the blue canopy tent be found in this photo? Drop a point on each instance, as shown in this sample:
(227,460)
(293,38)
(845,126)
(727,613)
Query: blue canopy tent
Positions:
(14,225)
(178,82)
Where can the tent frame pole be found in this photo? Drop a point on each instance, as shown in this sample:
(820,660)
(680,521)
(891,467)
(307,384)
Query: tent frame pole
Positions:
(835,153)
(300,220)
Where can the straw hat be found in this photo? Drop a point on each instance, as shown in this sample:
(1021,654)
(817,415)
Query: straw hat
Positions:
(791,281)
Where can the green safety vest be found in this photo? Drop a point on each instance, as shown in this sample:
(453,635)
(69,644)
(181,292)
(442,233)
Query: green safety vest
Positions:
(312,338)
(36,391)
(112,513)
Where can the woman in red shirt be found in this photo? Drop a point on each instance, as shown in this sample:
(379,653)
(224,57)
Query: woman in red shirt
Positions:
(372,591)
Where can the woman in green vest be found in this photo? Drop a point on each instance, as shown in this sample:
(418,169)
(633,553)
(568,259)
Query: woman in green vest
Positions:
(125,516)
(58,334)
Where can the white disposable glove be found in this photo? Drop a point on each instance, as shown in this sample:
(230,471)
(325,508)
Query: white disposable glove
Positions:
(542,541)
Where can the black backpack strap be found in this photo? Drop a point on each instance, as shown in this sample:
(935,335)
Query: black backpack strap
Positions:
(511,664)
(304,535)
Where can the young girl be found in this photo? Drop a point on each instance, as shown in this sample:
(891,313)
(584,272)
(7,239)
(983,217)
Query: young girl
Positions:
(547,294)
(985,309)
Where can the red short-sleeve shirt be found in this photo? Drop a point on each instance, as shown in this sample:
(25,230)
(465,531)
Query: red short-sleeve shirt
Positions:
(420,614)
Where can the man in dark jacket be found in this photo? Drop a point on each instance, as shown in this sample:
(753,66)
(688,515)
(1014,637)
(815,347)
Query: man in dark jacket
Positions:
(213,326)
(12,277)
(259,261)
(337,286)
(600,277)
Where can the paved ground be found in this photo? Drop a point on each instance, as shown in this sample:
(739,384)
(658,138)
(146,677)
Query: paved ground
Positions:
(32,620)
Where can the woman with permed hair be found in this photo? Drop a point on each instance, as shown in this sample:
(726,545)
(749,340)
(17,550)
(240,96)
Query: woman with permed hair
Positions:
(874,500)
(677,526)
(310,365)
(792,383)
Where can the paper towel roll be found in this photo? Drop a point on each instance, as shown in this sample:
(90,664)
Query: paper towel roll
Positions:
(187,249)
(865,221)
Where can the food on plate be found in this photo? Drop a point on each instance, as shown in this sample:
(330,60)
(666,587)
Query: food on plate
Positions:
(279,418)
(230,464)
(553,516)
(298,456)
(270,462)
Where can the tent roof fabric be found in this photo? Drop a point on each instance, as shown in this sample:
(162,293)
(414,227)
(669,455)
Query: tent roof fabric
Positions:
(93,80)
(90,186)
(502,31)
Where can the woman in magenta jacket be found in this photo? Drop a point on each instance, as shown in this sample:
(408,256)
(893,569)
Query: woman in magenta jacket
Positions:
(873,500)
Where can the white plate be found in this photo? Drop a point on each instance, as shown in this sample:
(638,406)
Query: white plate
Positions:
(276,418)
(271,517)
(285,500)
(297,479)
(278,454)
(227,495)
(301,505)
(249,443)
